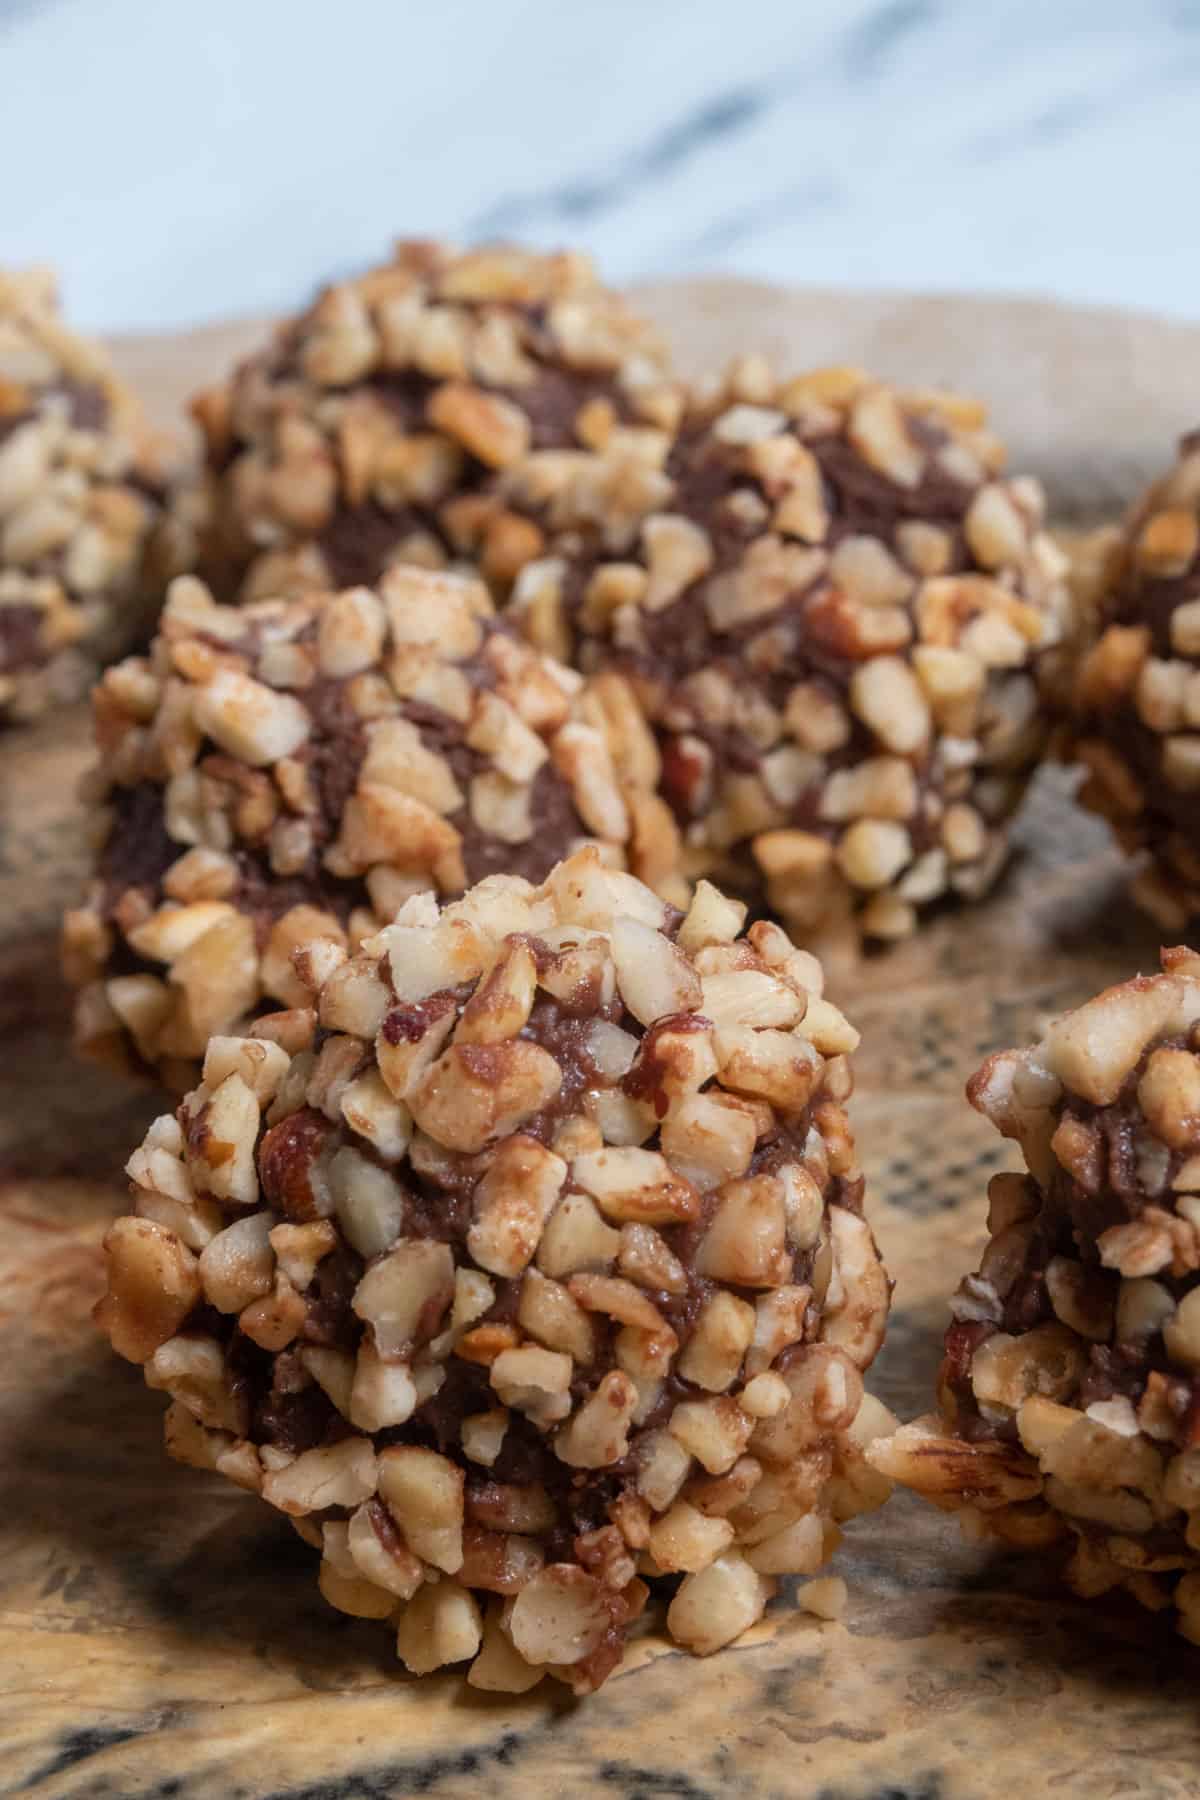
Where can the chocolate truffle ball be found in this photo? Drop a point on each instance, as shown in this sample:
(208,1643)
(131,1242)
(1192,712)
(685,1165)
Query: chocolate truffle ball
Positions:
(834,607)
(372,430)
(1069,1392)
(522,1266)
(82,489)
(1137,698)
(296,769)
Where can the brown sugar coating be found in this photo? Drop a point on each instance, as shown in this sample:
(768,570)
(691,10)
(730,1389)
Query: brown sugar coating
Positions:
(297,769)
(1137,695)
(373,429)
(523,1265)
(1069,1398)
(83,543)
(835,610)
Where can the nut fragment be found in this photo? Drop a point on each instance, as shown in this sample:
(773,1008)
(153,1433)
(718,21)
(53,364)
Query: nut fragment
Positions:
(718,1603)
(153,1283)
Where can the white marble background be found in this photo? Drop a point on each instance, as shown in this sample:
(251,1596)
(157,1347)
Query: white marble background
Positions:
(182,160)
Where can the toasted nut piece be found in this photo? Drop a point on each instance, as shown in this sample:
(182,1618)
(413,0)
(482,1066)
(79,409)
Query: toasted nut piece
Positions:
(192,1370)
(483,1435)
(776,1066)
(718,1603)
(238,1265)
(260,1064)
(597,1435)
(887,697)
(826,1598)
(746,1242)
(441,1624)
(378,1556)
(635,1186)
(494,430)
(249,720)
(944,1468)
(560,1616)
(1169,1096)
(342,1583)
(382,1393)
(552,1314)
(153,1284)
(1081,1298)
(1143,1306)
(424,1494)
(477,1092)
(512,1202)
(654,977)
(645,1258)
(684,1539)
(709,1138)
(1095,1048)
(500,1005)
(341,1475)
(1007,1370)
(368,1202)
(722,1335)
(1181,1332)
(500,1668)
(857,1322)
(534,1381)
(796,1549)
(576,1238)
(712,918)
(619,1300)
(486,1343)
(404,1295)
(715,1432)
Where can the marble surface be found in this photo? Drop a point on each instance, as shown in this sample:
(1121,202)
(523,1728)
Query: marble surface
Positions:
(184,163)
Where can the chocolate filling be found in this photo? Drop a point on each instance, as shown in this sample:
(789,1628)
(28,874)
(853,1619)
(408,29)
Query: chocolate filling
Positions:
(21,645)
(87,406)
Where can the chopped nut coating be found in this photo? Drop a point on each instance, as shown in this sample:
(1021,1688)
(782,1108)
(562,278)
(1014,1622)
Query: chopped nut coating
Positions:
(1068,1391)
(477,1291)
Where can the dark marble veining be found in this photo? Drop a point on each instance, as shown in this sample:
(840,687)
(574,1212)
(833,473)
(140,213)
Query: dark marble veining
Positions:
(881,143)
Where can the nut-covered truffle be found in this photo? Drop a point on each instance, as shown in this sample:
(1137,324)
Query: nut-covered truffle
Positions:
(531,1269)
(1069,1390)
(834,606)
(290,772)
(82,486)
(375,428)
(1137,695)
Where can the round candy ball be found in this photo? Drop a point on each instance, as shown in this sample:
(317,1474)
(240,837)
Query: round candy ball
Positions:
(83,543)
(1068,1393)
(374,427)
(289,770)
(836,610)
(525,1267)
(1137,694)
